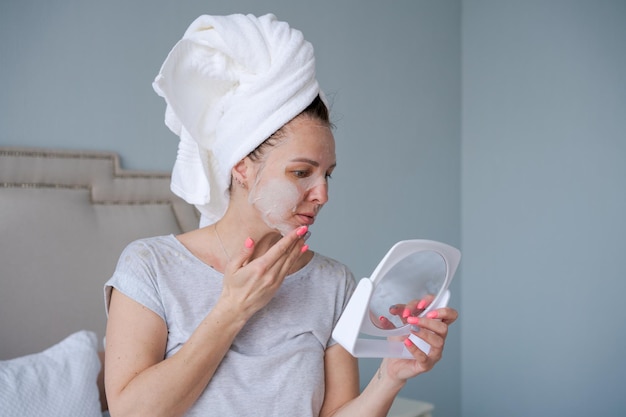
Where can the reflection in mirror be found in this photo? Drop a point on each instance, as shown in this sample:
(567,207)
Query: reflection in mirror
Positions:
(419,276)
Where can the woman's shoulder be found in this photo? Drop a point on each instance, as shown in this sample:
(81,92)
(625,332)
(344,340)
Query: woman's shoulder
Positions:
(152,243)
(149,248)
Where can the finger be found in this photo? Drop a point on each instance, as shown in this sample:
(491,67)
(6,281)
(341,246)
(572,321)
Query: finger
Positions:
(284,247)
(277,262)
(397,309)
(425,302)
(435,340)
(292,256)
(446,314)
(433,325)
(243,257)
(385,323)
(423,359)
(417,307)
(410,309)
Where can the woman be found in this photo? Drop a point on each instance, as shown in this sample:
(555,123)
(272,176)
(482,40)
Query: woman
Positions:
(235,318)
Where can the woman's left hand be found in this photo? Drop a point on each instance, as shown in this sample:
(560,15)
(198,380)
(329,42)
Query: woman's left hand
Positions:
(433,329)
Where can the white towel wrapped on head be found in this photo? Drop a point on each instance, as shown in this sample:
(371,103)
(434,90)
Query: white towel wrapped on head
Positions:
(229,84)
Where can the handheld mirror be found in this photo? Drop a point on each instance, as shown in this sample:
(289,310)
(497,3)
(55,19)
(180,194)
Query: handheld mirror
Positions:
(412,271)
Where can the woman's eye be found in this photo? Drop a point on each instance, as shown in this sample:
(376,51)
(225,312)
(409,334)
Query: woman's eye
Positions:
(300,174)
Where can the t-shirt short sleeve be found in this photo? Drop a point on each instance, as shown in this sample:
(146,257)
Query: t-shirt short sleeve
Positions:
(136,277)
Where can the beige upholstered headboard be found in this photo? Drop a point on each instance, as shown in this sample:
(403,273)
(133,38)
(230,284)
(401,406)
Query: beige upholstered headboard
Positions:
(65,217)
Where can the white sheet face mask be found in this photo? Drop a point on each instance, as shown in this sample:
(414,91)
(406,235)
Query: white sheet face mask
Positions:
(277,200)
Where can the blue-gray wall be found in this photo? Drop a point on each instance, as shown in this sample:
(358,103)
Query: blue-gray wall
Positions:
(77,74)
(544,205)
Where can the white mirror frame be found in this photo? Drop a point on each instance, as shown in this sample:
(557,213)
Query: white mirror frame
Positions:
(355,319)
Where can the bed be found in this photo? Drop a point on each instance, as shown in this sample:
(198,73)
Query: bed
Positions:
(65,217)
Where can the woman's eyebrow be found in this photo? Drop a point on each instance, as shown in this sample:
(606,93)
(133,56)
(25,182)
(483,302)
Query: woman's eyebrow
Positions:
(311,162)
(307,161)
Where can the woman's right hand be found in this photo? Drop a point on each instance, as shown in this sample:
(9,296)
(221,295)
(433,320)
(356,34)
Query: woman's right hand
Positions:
(250,285)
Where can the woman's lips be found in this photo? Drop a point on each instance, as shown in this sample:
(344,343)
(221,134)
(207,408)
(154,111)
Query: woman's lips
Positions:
(306,219)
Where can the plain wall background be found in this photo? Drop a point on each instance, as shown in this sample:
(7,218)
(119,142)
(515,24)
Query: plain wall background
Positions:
(77,74)
(544,204)
(496,126)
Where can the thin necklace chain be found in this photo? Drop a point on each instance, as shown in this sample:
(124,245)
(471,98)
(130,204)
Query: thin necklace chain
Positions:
(219,239)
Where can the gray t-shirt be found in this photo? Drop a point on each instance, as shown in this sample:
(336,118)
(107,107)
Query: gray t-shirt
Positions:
(275,366)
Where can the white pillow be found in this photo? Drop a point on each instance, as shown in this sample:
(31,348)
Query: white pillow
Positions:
(60,381)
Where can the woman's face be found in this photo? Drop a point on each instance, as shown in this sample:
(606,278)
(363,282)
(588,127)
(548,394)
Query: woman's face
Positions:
(291,181)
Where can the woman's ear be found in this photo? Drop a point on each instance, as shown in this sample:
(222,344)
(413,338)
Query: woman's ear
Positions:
(241,172)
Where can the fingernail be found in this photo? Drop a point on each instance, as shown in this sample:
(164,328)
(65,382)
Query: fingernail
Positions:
(304,248)
(381,318)
(432,314)
(421,304)
(413,320)
(406,313)
(302,231)
(249,243)
(407,342)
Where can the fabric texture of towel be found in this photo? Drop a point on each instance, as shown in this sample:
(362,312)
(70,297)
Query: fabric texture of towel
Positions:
(229,84)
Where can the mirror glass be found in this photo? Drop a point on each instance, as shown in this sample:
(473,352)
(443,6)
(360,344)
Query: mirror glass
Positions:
(419,276)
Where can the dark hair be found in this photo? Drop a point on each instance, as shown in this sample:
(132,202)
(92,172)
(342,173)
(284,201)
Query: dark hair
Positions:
(317,110)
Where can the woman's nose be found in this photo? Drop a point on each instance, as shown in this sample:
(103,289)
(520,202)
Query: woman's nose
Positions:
(319,193)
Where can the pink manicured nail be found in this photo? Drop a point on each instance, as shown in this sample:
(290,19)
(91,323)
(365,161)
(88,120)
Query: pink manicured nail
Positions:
(406,313)
(413,320)
(421,304)
(249,243)
(304,248)
(381,318)
(408,342)
(432,314)
(302,231)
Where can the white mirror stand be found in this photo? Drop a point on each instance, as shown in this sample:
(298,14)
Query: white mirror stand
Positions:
(355,330)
